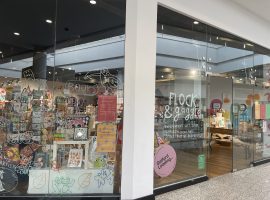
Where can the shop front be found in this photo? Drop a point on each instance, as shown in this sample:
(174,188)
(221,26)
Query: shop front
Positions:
(211,102)
(127,99)
(61,103)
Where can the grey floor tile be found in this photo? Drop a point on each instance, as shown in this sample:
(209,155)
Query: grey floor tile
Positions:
(248,184)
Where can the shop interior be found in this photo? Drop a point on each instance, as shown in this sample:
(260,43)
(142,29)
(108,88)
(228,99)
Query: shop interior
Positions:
(230,79)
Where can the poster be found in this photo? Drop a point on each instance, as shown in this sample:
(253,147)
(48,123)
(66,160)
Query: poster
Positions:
(257,111)
(263,111)
(107,108)
(267,111)
(106,137)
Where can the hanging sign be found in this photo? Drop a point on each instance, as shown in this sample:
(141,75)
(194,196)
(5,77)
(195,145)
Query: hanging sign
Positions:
(165,160)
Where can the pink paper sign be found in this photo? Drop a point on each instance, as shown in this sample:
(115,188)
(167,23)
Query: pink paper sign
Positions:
(165,160)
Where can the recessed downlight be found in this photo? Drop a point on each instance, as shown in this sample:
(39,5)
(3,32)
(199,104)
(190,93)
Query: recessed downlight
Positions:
(16,33)
(193,72)
(196,22)
(48,21)
(93,2)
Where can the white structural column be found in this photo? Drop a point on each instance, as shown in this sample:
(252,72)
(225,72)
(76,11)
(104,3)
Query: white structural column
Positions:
(139,99)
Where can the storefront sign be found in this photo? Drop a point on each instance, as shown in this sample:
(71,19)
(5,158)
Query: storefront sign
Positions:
(165,160)
(182,106)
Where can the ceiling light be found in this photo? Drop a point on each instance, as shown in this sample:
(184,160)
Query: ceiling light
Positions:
(196,22)
(48,21)
(193,72)
(1,52)
(93,2)
(16,33)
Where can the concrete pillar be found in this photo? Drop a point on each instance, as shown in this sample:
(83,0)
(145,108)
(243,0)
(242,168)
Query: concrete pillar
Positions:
(139,99)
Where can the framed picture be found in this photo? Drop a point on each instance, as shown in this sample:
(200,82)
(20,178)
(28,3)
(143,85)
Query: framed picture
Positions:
(80,134)
(75,158)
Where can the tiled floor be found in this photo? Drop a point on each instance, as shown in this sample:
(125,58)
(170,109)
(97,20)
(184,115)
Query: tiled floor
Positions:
(248,184)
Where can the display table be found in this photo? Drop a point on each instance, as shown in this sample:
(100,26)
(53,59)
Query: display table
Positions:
(222,131)
(71,181)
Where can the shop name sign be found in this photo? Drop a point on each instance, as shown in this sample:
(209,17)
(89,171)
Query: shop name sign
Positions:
(182,105)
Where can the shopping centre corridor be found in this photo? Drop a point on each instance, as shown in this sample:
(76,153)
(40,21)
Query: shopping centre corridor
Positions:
(248,184)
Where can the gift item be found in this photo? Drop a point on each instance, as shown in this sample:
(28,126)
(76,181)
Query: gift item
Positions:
(16,106)
(26,95)
(2,95)
(25,160)
(13,138)
(100,161)
(80,134)
(41,160)
(12,153)
(37,94)
(75,158)
(28,150)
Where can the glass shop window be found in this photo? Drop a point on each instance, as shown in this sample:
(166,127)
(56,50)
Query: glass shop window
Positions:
(61,98)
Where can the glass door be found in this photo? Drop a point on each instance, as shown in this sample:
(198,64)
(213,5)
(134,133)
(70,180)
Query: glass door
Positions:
(219,129)
(243,123)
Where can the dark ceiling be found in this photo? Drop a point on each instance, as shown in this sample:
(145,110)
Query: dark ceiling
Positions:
(76,21)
